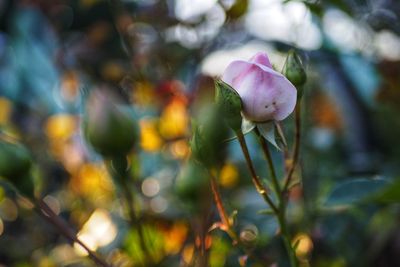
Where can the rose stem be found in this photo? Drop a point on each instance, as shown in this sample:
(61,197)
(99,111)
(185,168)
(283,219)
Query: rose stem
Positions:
(221,209)
(129,199)
(296,150)
(225,219)
(282,206)
(268,157)
(47,213)
(261,189)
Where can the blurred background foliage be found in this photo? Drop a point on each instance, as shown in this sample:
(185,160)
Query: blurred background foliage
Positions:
(160,57)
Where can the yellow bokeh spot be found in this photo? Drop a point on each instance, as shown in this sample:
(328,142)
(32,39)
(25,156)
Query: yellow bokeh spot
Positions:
(187,253)
(150,140)
(176,236)
(92,180)
(305,245)
(60,126)
(229,176)
(174,120)
(179,149)
(5,110)
(143,93)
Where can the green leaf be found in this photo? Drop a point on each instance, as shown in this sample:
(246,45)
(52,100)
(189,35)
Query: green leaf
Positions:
(354,191)
(389,194)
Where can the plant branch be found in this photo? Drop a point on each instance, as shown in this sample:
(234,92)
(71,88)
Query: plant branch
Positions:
(221,209)
(261,189)
(47,213)
(296,150)
(268,157)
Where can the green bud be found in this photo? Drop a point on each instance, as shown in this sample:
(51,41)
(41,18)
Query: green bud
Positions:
(294,70)
(209,134)
(15,166)
(192,184)
(109,128)
(229,103)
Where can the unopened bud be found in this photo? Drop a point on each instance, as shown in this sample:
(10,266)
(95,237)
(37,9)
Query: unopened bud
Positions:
(209,134)
(294,71)
(109,127)
(229,103)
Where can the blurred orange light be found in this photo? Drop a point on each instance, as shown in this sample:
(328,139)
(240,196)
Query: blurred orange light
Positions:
(187,253)
(175,236)
(179,149)
(305,245)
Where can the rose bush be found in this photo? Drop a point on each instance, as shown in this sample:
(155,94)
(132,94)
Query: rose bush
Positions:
(266,94)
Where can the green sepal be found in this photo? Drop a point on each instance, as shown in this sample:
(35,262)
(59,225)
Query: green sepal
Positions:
(229,103)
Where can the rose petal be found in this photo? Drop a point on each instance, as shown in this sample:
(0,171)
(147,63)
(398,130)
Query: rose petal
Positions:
(262,59)
(234,70)
(266,94)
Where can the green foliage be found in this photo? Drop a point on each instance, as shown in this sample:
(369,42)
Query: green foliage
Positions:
(109,128)
(208,138)
(295,72)
(229,103)
(353,192)
(389,194)
(192,184)
(15,165)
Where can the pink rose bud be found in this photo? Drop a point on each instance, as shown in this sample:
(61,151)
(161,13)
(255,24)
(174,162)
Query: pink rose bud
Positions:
(266,94)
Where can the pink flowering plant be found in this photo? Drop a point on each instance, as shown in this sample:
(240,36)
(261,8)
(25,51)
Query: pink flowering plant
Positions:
(251,95)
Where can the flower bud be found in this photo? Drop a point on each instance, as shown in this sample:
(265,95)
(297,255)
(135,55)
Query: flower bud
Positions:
(230,104)
(15,165)
(294,70)
(192,184)
(109,127)
(265,93)
(209,134)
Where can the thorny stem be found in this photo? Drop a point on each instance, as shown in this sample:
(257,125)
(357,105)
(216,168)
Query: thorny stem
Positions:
(47,213)
(282,205)
(296,150)
(221,209)
(261,189)
(268,157)
(286,237)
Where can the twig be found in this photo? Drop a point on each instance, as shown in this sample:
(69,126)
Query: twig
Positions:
(296,150)
(261,189)
(268,157)
(47,213)
(221,209)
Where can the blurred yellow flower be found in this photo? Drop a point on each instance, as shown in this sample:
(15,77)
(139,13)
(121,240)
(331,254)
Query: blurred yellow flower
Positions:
(229,175)
(150,139)
(174,119)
